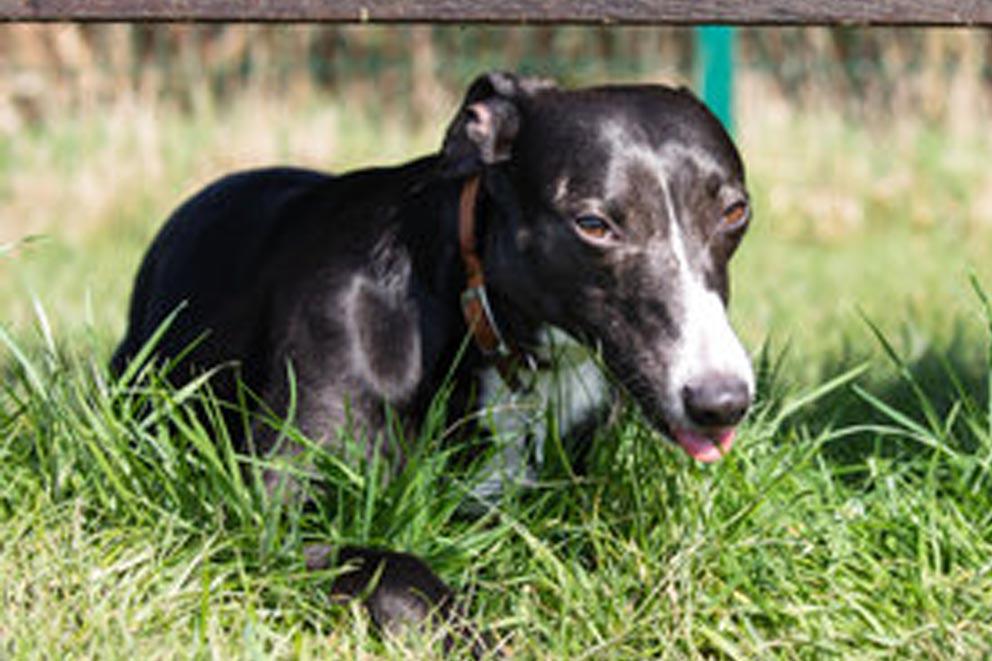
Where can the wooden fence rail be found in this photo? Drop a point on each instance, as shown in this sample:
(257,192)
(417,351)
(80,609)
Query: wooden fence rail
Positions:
(961,13)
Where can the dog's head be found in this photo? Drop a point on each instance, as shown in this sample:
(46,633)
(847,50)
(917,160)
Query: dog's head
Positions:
(614,212)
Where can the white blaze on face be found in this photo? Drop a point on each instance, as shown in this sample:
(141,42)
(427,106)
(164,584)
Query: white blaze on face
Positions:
(707,345)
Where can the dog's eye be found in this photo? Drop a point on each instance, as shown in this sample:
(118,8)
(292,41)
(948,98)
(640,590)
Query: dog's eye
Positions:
(736,215)
(594,227)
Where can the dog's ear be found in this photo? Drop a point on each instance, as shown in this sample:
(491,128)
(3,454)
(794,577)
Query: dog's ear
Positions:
(487,123)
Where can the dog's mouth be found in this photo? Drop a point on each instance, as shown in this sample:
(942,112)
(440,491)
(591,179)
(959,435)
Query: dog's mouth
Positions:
(705,446)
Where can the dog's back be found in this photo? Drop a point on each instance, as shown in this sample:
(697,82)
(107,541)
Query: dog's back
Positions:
(207,259)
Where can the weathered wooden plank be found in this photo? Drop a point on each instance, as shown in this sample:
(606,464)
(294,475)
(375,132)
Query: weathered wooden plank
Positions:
(625,12)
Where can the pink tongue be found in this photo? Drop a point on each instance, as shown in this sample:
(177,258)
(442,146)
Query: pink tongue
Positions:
(706,449)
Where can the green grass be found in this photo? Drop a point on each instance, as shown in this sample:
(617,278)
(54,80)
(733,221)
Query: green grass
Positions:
(853,519)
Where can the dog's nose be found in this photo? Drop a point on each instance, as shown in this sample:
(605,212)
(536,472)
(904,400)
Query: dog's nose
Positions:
(716,401)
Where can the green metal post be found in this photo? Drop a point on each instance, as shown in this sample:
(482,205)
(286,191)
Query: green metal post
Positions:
(715,66)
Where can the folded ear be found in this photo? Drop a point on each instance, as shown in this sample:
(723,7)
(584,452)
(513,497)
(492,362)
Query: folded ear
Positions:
(487,124)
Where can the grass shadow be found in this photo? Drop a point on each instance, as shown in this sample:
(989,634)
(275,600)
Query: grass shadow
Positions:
(915,396)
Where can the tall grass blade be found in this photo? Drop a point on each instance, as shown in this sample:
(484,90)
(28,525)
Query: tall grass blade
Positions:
(926,406)
(987,310)
(141,359)
(35,381)
(793,406)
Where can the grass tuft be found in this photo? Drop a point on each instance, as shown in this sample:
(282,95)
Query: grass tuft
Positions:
(128,522)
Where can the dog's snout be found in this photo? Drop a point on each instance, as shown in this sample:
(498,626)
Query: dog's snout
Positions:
(716,401)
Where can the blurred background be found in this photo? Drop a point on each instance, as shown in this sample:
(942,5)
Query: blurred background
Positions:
(868,153)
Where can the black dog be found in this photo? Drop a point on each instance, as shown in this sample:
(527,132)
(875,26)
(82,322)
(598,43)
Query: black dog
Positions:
(603,217)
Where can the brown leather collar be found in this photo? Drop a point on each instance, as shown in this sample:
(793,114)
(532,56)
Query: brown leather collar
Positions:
(475,303)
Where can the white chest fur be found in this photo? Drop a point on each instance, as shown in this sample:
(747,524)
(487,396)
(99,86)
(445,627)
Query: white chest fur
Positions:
(555,400)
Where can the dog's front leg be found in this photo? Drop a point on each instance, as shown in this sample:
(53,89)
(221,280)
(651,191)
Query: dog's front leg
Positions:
(399,590)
